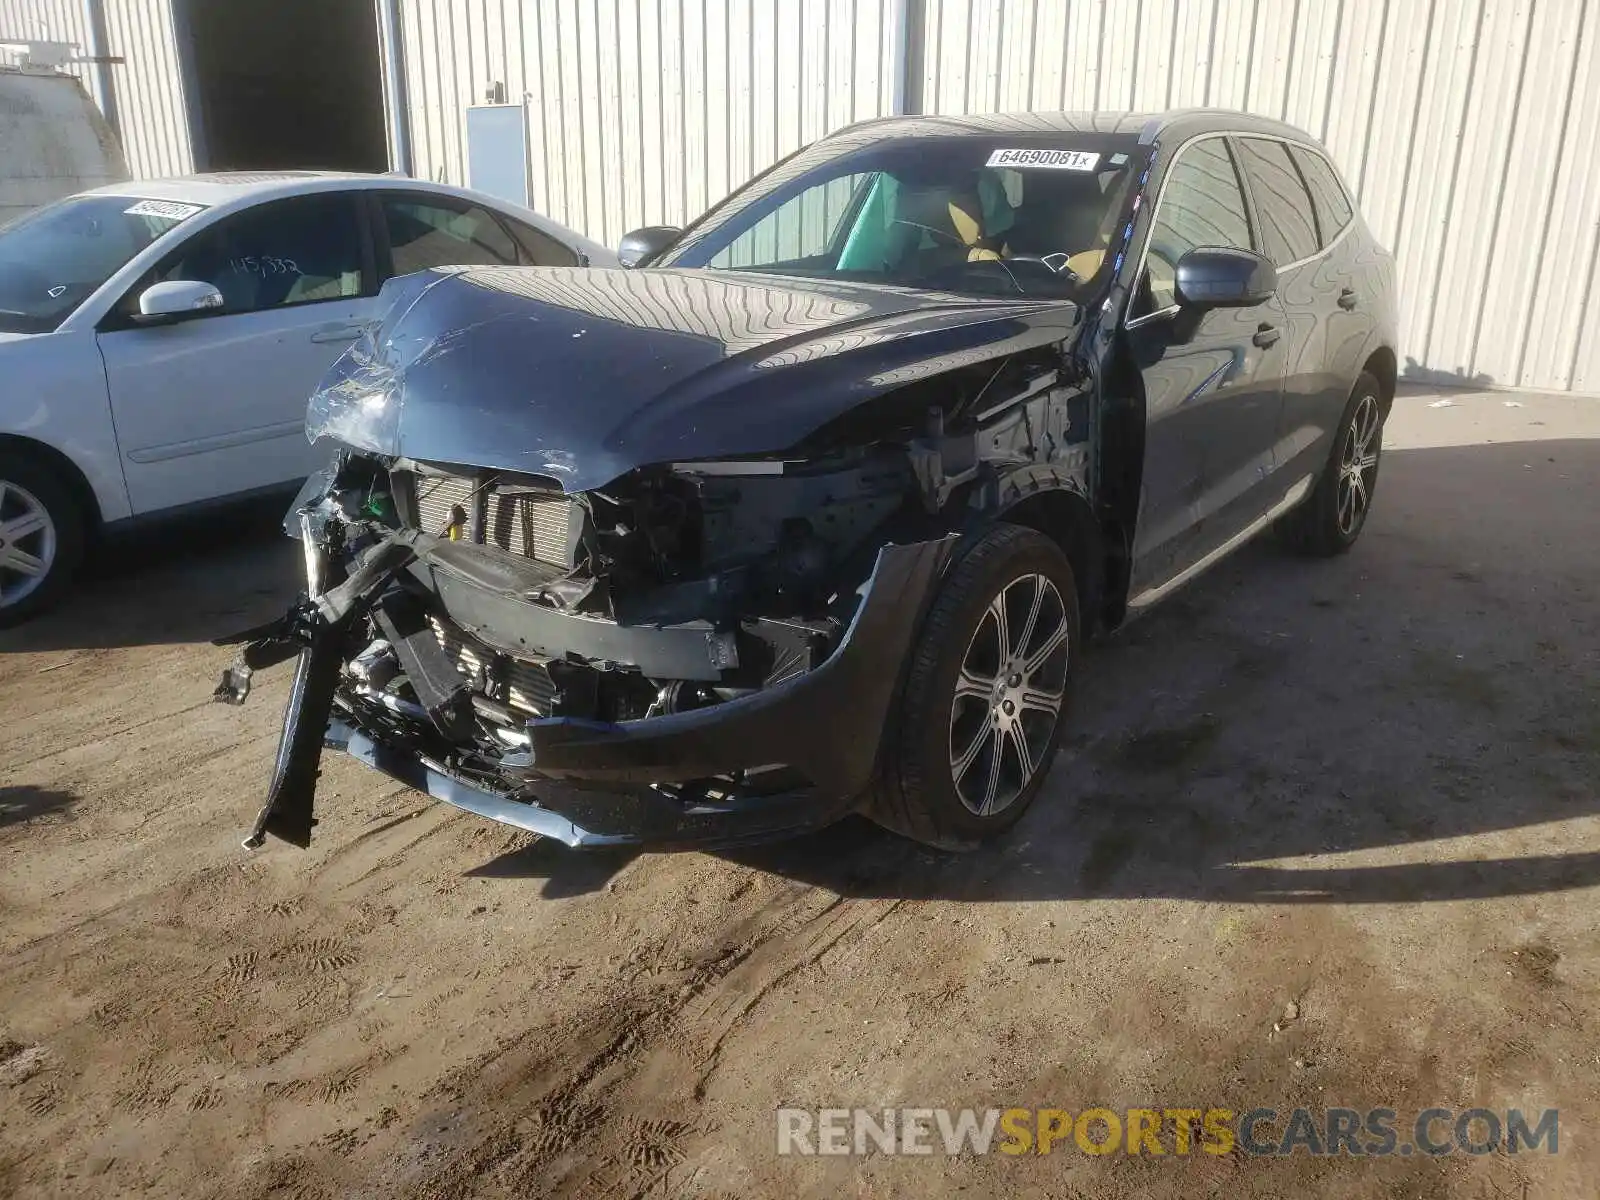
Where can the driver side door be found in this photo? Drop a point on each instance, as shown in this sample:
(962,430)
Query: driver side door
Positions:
(214,405)
(1213,380)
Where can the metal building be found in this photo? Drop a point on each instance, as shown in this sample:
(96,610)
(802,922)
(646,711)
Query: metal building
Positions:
(1468,128)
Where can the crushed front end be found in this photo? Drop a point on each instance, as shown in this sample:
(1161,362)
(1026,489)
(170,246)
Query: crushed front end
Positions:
(638,556)
(696,653)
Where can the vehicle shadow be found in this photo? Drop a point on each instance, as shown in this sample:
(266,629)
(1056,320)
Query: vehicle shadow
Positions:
(1436,683)
(1436,377)
(192,580)
(20,805)
(566,872)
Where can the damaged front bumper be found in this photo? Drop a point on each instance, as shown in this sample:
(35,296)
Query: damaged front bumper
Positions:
(791,756)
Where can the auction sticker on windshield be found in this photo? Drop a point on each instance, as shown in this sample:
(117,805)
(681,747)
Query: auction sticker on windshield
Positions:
(1059,160)
(173,210)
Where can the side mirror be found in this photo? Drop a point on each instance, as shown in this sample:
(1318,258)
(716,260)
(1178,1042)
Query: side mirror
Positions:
(637,248)
(1219,277)
(178,298)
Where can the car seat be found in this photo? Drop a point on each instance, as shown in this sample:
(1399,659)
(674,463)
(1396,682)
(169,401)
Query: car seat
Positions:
(1086,264)
(951,225)
(967,215)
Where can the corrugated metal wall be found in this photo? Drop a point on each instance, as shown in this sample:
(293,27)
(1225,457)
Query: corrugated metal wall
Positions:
(1470,130)
(155,133)
(646,111)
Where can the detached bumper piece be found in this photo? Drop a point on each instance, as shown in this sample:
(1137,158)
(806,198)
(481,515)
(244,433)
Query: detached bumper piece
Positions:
(794,755)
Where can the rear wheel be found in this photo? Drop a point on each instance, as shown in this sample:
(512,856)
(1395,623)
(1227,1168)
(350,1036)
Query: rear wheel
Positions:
(41,538)
(986,692)
(1331,520)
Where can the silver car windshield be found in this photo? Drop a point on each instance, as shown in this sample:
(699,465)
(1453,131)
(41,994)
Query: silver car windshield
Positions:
(54,258)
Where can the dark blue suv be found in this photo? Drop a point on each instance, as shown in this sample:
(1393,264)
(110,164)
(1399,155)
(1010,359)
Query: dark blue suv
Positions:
(810,508)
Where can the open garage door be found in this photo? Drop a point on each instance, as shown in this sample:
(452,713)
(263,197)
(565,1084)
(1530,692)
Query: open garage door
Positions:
(285,84)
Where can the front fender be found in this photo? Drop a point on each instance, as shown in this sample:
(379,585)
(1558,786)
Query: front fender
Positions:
(56,396)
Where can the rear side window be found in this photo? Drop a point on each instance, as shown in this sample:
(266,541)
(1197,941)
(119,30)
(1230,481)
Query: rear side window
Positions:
(427,233)
(1327,193)
(539,249)
(1289,230)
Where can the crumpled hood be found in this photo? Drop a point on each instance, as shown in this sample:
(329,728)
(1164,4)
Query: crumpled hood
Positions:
(585,374)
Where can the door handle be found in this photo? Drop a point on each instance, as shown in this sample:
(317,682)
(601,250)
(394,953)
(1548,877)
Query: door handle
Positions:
(338,333)
(1266,335)
(1348,299)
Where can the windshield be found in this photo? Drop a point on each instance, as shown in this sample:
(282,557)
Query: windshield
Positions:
(999,214)
(56,257)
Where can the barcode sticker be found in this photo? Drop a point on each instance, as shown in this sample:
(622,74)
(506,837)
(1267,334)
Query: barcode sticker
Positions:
(1056,160)
(171,209)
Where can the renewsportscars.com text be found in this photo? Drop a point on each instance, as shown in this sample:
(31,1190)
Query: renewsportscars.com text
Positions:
(1159,1132)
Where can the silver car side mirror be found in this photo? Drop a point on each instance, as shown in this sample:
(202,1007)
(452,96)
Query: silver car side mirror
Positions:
(178,298)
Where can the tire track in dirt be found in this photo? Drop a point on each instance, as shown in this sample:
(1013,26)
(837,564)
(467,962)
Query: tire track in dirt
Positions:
(362,857)
(727,1008)
(580,1088)
(252,990)
(241,968)
(59,751)
(319,955)
(41,1100)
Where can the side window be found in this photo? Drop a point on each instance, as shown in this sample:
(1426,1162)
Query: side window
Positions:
(539,249)
(1201,205)
(1327,193)
(803,229)
(1288,228)
(426,232)
(297,251)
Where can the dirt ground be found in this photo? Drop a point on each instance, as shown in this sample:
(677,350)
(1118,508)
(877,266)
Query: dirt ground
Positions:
(1368,788)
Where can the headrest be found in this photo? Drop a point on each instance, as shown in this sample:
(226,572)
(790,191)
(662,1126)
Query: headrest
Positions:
(966,215)
(927,206)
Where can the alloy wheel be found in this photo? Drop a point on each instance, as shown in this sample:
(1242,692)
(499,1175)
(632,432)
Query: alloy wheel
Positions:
(1358,465)
(27,543)
(1008,695)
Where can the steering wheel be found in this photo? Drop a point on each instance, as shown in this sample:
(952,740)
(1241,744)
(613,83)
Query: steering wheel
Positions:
(1054,262)
(1008,271)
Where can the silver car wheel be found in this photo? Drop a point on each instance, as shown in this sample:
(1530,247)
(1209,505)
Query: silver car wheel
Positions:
(1009,694)
(27,543)
(1358,465)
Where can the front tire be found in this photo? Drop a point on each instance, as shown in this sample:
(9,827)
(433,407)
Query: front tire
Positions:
(41,538)
(1331,520)
(986,693)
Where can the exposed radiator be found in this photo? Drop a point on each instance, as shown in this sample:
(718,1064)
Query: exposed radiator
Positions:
(438,498)
(531,522)
(524,686)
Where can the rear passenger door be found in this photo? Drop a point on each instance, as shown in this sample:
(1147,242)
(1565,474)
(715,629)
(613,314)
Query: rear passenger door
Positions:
(418,230)
(1349,275)
(1313,287)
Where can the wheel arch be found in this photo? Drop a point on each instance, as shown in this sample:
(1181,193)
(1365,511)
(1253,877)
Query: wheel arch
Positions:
(1066,518)
(71,474)
(1383,366)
